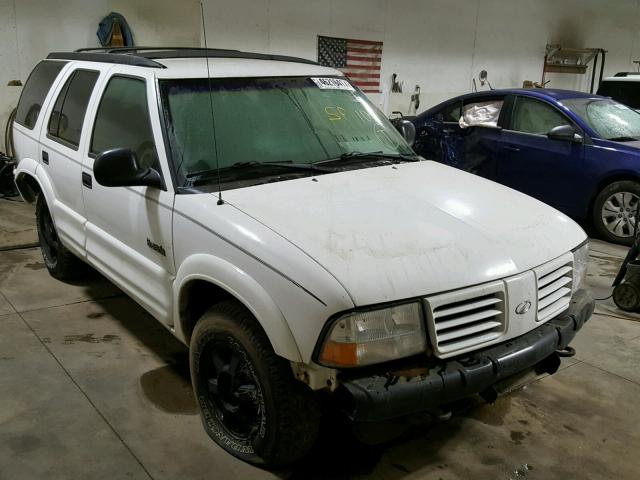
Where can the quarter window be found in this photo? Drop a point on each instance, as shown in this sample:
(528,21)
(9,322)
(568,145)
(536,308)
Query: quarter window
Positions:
(533,116)
(35,91)
(67,117)
(122,120)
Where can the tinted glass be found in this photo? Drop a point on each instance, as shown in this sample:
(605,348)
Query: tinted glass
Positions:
(533,116)
(35,91)
(123,120)
(271,120)
(68,112)
(452,113)
(624,92)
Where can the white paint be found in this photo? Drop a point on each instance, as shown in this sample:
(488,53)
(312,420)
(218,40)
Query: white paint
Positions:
(413,229)
(437,44)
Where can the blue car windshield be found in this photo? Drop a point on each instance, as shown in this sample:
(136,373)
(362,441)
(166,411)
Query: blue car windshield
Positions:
(611,120)
(260,124)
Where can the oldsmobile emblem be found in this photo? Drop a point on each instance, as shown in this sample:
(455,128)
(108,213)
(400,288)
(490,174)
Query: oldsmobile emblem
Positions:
(523,308)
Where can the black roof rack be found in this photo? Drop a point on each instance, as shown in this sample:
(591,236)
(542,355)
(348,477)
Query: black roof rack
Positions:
(146,56)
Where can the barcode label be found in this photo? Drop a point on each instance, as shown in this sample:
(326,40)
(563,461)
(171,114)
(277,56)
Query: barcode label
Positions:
(332,83)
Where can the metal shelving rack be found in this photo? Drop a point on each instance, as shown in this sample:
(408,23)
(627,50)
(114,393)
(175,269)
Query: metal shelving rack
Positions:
(558,59)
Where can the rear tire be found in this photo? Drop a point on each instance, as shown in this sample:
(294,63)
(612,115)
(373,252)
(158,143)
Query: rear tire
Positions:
(61,263)
(614,211)
(250,403)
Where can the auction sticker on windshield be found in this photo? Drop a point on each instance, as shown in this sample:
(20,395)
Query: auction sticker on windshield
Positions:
(332,83)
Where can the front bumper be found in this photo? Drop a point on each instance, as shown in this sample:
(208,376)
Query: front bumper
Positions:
(429,384)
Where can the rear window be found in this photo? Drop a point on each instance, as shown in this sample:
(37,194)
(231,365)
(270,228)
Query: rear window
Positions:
(623,92)
(35,91)
(67,117)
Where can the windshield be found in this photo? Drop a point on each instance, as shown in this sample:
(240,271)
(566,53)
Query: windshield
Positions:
(611,120)
(270,121)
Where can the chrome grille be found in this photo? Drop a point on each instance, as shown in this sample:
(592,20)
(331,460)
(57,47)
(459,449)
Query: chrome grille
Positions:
(464,319)
(554,282)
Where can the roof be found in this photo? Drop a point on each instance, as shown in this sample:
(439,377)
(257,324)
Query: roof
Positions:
(546,93)
(236,67)
(549,94)
(624,77)
(181,62)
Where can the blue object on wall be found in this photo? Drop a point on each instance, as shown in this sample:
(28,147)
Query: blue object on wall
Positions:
(105,29)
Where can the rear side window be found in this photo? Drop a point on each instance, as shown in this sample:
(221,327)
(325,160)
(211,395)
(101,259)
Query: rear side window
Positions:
(122,120)
(624,92)
(67,117)
(35,91)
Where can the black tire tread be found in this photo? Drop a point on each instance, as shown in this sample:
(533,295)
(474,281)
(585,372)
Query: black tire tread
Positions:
(298,412)
(68,266)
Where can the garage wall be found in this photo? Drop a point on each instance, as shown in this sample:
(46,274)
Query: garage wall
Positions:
(437,44)
(30,29)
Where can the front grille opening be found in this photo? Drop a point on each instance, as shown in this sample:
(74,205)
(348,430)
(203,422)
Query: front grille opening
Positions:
(554,290)
(462,323)
(474,337)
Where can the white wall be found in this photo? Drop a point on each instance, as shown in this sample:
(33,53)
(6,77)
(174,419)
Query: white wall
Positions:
(437,44)
(31,29)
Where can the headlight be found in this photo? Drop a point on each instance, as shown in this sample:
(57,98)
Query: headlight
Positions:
(580,263)
(363,338)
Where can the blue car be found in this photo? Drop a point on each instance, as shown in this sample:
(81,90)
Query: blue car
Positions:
(578,152)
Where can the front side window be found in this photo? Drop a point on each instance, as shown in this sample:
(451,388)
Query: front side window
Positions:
(611,120)
(122,120)
(483,113)
(35,91)
(266,121)
(452,112)
(67,117)
(534,116)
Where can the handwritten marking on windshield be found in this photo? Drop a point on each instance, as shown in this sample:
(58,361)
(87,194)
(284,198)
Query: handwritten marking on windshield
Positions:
(335,113)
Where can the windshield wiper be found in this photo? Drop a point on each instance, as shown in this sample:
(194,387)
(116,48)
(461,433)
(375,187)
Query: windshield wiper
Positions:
(253,165)
(623,139)
(360,156)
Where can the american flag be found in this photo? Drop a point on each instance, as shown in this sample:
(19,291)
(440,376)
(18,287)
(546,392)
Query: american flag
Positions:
(357,59)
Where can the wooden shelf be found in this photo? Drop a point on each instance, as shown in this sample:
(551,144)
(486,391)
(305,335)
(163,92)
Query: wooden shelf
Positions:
(563,68)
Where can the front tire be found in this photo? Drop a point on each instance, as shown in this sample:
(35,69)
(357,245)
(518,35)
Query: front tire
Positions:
(614,211)
(250,403)
(61,263)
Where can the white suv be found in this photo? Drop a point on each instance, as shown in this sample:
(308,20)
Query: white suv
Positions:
(274,221)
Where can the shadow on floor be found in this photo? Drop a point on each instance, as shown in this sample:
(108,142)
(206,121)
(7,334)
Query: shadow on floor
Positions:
(340,451)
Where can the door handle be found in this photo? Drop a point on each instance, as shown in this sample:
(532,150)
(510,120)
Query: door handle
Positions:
(511,148)
(87,180)
(45,157)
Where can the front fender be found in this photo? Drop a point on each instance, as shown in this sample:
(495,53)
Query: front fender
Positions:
(245,289)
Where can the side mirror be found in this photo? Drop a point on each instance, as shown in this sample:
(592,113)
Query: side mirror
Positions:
(407,129)
(564,133)
(120,168)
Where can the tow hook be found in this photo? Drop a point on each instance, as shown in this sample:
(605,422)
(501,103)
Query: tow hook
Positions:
(566,352)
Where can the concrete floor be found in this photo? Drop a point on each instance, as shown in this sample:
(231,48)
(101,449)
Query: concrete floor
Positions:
(92,387)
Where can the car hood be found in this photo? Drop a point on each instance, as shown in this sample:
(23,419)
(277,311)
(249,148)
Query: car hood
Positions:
(412,229)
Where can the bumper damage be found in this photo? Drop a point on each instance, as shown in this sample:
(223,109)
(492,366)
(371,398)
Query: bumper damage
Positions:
(430,384)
